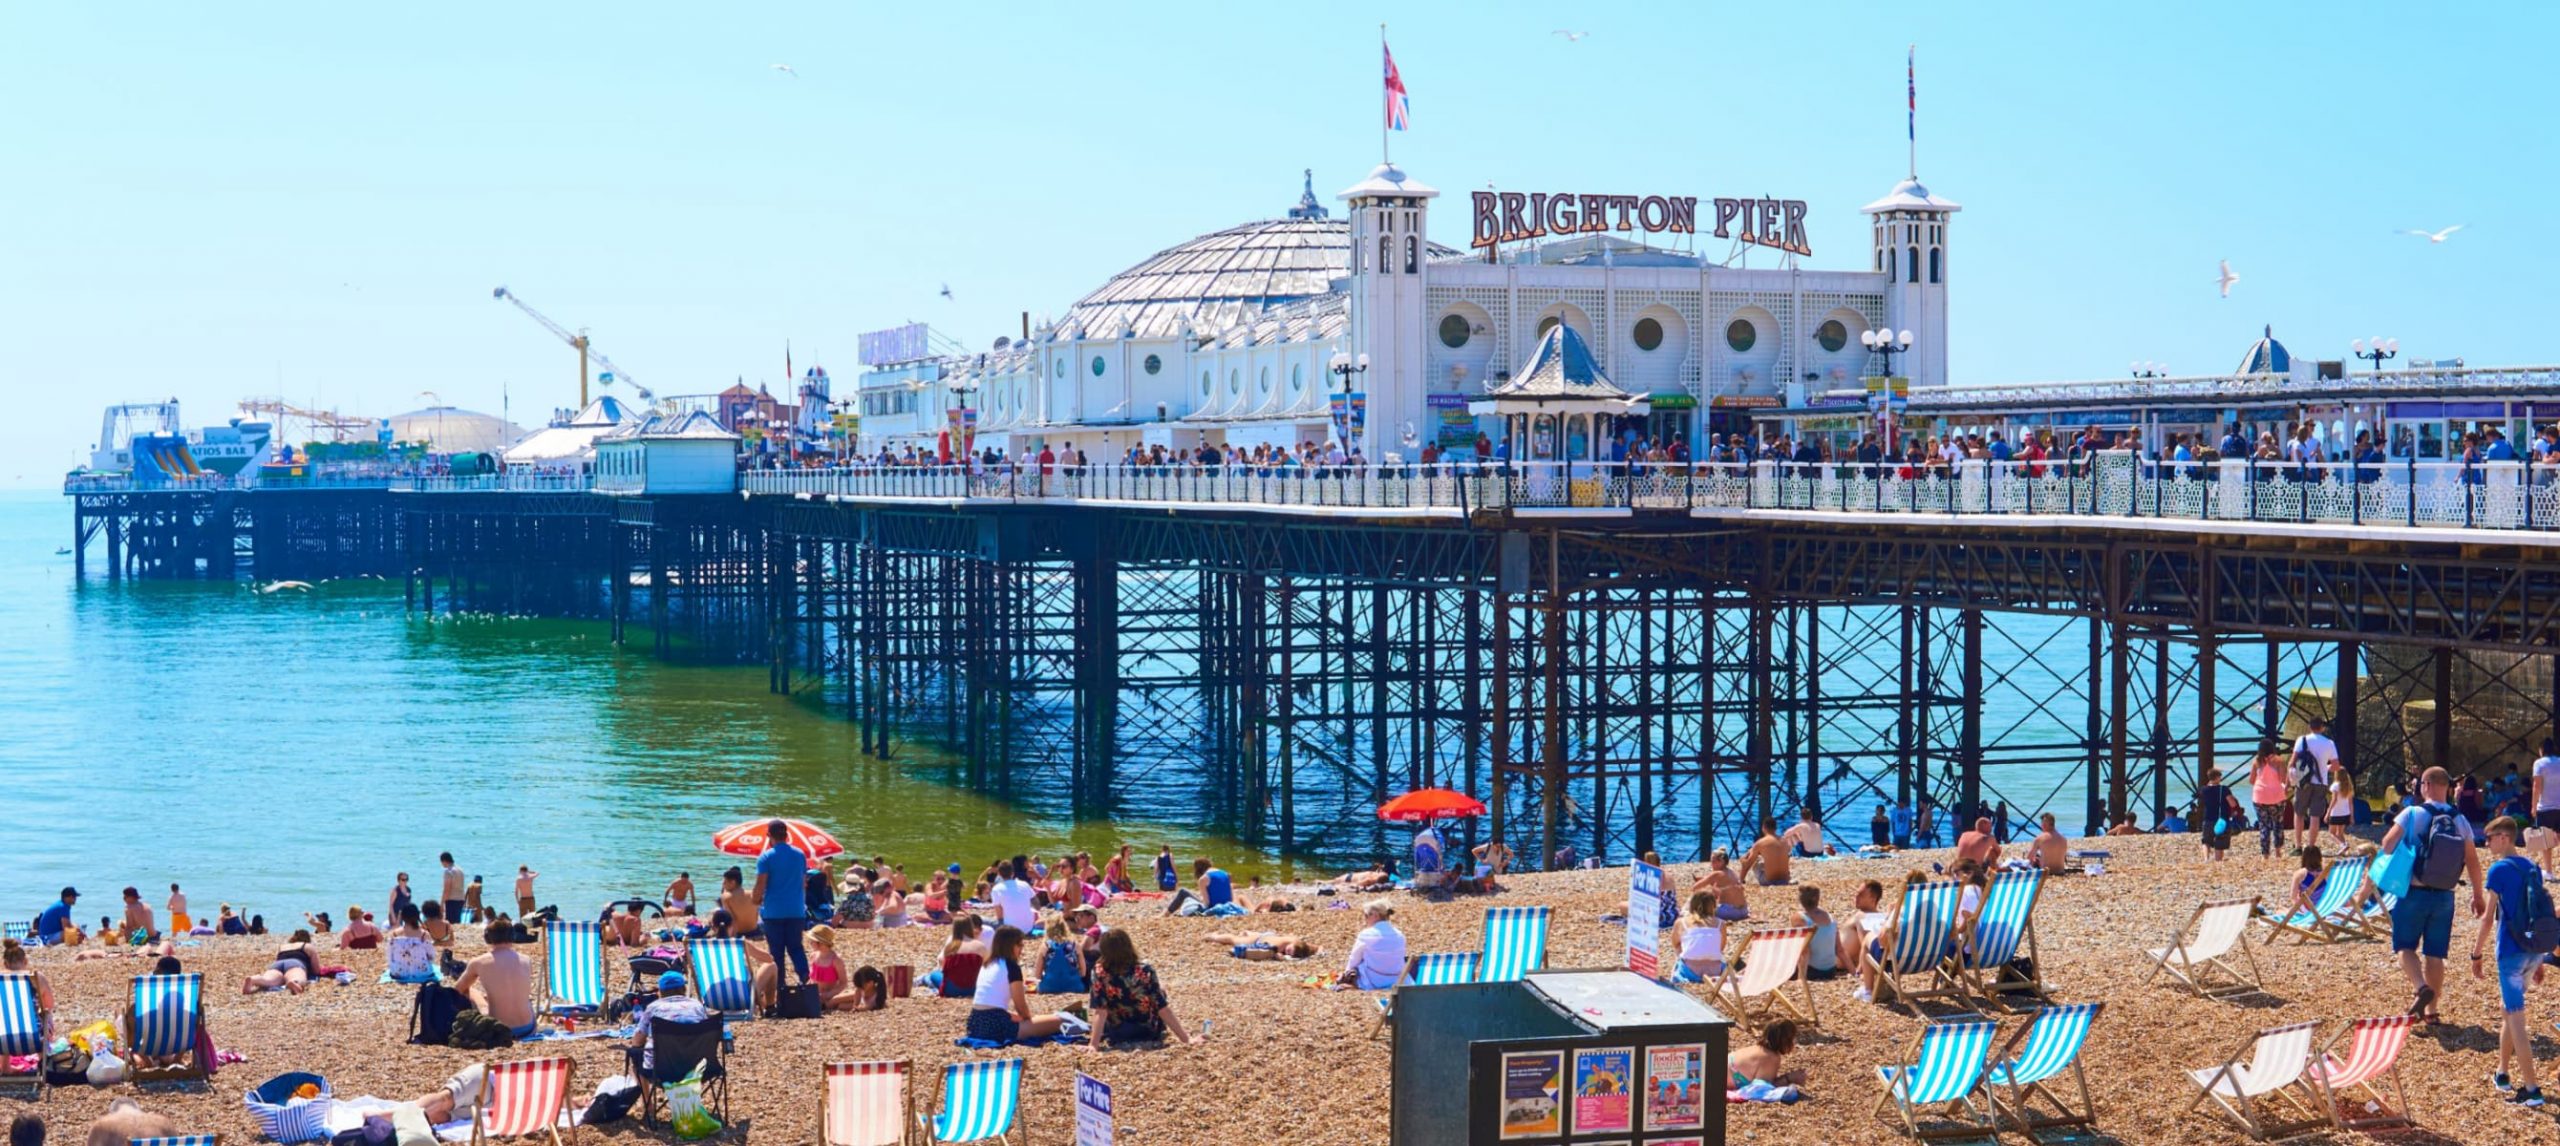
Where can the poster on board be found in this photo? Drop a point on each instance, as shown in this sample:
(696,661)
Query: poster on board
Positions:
(1675,1079)
(1603,1085)
(1532,1094)
(1644,920)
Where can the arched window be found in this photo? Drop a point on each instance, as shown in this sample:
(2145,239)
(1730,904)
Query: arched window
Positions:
(1412,255)
(1386,253)
(1913,275)
(1934,253)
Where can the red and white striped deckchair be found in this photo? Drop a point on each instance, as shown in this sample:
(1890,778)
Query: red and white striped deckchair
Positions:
(522,1099)
(867,1104)
(2373,1057)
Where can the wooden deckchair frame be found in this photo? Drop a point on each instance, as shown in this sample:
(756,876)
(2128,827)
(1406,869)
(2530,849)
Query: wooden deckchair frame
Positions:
(194,1069)
(1017,1134)
(2198,973)
(2305,1114)
(1889,979)
(2346,922)
(906,1118)
(1990,985)
(2013,1107)
(2395,1110)
(1753,1012)
(1951,1124)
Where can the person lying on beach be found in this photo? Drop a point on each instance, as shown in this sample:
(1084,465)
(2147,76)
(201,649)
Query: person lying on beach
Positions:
(461,1093)
(1376,877)
(1765,1059)
(13,959)
(1261,946)
(500,981)
(292,970)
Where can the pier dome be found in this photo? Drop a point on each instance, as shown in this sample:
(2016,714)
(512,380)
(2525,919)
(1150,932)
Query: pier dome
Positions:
(1222,278)
(2266,356)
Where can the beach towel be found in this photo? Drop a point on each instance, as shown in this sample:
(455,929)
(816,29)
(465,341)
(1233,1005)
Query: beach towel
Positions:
(1758,1091)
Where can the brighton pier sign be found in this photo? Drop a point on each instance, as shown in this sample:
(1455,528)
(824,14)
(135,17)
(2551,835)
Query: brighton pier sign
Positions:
(1510,217)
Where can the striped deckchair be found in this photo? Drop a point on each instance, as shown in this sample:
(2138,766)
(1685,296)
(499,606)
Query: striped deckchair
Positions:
(1987,967)
(523,1099)
(179,1140)
(2333,915)
(2204,962)
(1924,932)
(161,1022)
(980,1100)
(2373,1056)
(17,929)
(1945,1072)
(1441,969)
(866,1104)
(2036,1056)
(722,977)
(21,1032)
(573,967)
(2272,1094)
(1755,992)
(1515,943)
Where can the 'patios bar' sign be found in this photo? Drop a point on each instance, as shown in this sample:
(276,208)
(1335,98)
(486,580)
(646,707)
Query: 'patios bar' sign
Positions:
(1510,217)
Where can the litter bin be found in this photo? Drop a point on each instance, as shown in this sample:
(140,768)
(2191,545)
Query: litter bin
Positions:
(1558,1058)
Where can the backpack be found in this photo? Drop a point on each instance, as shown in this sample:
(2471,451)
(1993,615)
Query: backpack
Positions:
(475,1031)
(431,1018)
(2440,845)
(2530,920)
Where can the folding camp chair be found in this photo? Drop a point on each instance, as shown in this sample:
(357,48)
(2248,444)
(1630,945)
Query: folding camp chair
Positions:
(866,1104)
(1946,1071)
(674,1052)
(179,1140)
(1755,992)
(2020,1073)
(161,1022)
(980,1100)
(1924,933)
(1515,943)
(21,1033)
(2201,961)
(2271,1094)
(522,1099)
(573,968)
(2373,1056)
(1441,969)
(1988,967)
(722,977)
(2333,915)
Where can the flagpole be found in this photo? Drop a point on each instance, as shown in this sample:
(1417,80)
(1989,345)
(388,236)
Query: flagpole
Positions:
(1383,157)
(1911,126)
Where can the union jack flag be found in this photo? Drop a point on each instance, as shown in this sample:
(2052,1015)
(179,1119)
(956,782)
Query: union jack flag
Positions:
(1399,109)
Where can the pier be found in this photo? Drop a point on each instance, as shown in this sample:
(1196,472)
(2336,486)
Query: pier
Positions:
(1618,659)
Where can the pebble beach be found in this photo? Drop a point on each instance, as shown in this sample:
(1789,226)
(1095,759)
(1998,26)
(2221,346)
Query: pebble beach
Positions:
(1284,1062)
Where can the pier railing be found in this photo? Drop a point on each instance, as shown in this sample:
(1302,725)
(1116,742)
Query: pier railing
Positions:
(510,482)
(2518,495)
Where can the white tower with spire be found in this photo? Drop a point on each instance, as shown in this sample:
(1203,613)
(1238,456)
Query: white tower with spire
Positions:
(1390,252)
(1910,226)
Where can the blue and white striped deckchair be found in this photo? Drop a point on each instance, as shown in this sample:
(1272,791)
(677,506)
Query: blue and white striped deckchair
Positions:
(1924,934)
(161,1022)
(21,1031)
(2333,915)
(2007,922)
(17,929)
(1946,1070)
(1440,969)
(722,977)
(1515,943)
(180,1140)
(980,1100)
(2051,1045)
(573,967)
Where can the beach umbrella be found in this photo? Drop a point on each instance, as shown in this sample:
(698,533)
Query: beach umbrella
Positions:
(1427,804)
(747,838)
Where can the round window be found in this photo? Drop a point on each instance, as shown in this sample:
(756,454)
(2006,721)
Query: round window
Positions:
(1740,336)
(1097,366)
(1453,331)
(1235,381)
(1832,336)
(1062,368)
(1546,324)
(1648,334)
(1262,382)
(1206,386)
(1298,379)
(1154,364)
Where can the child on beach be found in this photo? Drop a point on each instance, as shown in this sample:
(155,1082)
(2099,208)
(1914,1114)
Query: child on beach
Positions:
(1062,969)
(2306,883)
(180,923)
(826,969)
(2517,899)
(1701,941)
(1822,952)
(2217,828)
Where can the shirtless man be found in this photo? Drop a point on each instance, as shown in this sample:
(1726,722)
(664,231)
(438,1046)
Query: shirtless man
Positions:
(680,894)
(2050,848)
(1768,856)
(126,1120)
(1979,845)
(1262,946)
(504,981)
(1731,904)
(626,926)
(525,875)
(137,914)
(1805,837)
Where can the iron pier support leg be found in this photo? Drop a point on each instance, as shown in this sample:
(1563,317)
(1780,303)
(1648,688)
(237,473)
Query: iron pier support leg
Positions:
(2160,724)
(1906,726)
(1969,728)
(1551,711)
(2095,742)
(2208,658)
(2119,684)
(2443,729)
(2343,703)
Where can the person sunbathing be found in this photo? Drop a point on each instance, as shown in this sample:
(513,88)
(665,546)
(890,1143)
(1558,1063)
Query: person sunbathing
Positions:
(1731,902)
(432,921)
(13,959)
(359,934)
(2306,884)
(1378,877)
(1765,1059)
(500,982)
(627,931)
(1262,946)
(292,970)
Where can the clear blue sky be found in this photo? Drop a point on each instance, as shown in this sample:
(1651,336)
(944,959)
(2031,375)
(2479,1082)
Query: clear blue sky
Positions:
(216,202)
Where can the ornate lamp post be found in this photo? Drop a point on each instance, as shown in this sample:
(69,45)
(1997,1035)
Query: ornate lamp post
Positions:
(2383,350)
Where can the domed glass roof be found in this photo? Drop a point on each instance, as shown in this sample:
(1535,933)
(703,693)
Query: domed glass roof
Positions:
(2266,356)
(1221,278)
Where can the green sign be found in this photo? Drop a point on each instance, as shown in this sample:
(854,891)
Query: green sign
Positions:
(1672,400)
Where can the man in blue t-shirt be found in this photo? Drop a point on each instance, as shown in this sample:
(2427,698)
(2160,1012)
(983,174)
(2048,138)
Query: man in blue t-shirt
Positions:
(1901,820)
(2422,920)
(51,921)
(782,903)
(2510,875)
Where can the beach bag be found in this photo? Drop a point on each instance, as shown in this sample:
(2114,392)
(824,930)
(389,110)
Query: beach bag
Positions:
(431,1017)
(2391,876)
(282,1118)
(613,1102)
(800,1002)
(67,1067)
(475,1031)
(2439,864)
(105,1069)
(902,980)
(685,1110)
(2530,920)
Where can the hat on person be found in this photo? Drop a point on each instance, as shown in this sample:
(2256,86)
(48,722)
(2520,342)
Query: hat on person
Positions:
(70,893)
(953,869)
(671,981)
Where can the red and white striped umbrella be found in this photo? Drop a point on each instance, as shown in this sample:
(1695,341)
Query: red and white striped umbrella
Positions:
(747,838)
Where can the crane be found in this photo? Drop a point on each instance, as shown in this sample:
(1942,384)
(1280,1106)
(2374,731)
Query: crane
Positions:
(339,427)
(586,351)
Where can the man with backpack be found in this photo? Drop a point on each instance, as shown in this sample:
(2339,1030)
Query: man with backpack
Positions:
(2422,921)
(2315,756)
(2520,912)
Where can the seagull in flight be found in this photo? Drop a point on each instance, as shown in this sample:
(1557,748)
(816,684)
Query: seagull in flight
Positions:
(946,290)
(1569,36)
(786,70)
(2226,278)
(2435,236)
